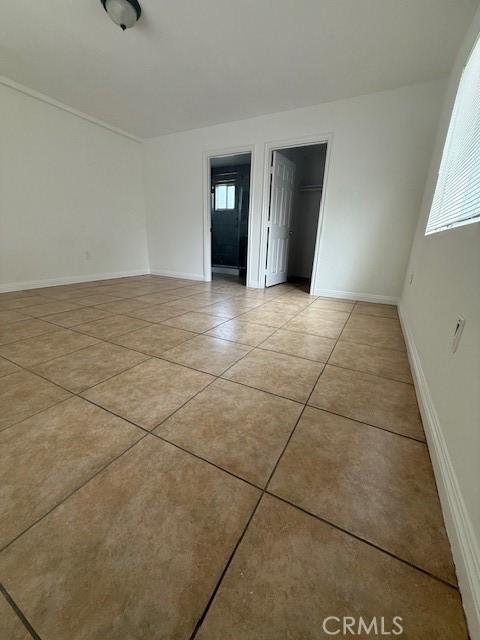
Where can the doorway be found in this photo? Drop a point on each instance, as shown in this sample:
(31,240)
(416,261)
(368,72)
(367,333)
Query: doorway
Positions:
(293,221)
(229,204)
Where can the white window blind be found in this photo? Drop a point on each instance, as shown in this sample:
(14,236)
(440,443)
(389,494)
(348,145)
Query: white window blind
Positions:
(457,194)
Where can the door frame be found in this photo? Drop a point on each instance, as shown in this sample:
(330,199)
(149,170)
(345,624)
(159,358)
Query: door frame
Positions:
(278,145)
(207,212)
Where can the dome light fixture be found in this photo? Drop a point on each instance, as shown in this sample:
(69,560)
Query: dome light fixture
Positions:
(125,13)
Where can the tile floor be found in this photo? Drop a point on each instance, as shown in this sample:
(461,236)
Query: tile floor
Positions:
(200,460)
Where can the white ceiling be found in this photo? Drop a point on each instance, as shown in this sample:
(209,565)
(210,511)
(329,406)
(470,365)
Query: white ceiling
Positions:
(192,63)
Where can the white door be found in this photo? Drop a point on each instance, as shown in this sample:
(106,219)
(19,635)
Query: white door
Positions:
(279,220)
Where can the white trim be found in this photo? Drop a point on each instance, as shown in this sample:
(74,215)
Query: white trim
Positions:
(278,145)
(53,282)
(356,295)
(459,526)
(11,84)
(207,241)
(177,274)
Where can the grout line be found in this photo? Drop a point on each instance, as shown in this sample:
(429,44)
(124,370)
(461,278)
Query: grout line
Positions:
(364,540)
(372,346)
(265,490)
(367,424)
(214,378)
(97,340)
(368,373)
(218,585)
(225,569)
(68,496)
(19,613)
(149,356)
(199,457)
(14,424)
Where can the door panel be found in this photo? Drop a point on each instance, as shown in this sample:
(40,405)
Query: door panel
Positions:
(280,215)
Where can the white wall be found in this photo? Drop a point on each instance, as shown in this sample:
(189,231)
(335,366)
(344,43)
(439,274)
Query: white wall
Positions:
(381,147)
(67,187)
(446,268)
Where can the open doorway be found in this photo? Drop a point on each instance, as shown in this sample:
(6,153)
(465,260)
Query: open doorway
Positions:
(230,177)
(295,202)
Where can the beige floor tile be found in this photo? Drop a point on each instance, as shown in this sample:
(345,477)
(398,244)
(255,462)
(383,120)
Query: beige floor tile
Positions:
(41,310)
(150,392)
(7,317)
(23,302)
(47,456)
(16,295)
(85,368)
(377,401)
(331,304)
(375,484)
(118,291)
(208,354)
(113,326)
(375,331)
(161,526)
(319,322)
(272,317)
(291,572)
(277,373)
(156,313)
(302,345)
(388,363)
(32,351)
(151,299)
(187,304)
(238,330)
(11,628)
(293,290)
(286,304)
(24,329)
(154,340)
(178,292)
(68,292)
(70,319)
(22,394)
(96,298)
(210,297)
(232,308)
(7,367)
(123,306)
(242,430)
(373,309)
(195,321)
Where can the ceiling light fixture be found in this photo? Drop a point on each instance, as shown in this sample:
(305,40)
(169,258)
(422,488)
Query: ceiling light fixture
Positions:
(125,13)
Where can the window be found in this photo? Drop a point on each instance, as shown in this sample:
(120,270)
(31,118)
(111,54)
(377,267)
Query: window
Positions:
(224,196)
(457,195)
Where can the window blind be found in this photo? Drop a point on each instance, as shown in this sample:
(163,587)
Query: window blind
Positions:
(457,194)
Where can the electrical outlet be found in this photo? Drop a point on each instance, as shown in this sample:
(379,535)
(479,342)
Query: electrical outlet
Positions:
(412,275)
(457,334)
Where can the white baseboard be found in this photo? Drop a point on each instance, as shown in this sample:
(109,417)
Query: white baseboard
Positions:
(459,526)
(178,274)
(355,295)
(233,271)
(53,282)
